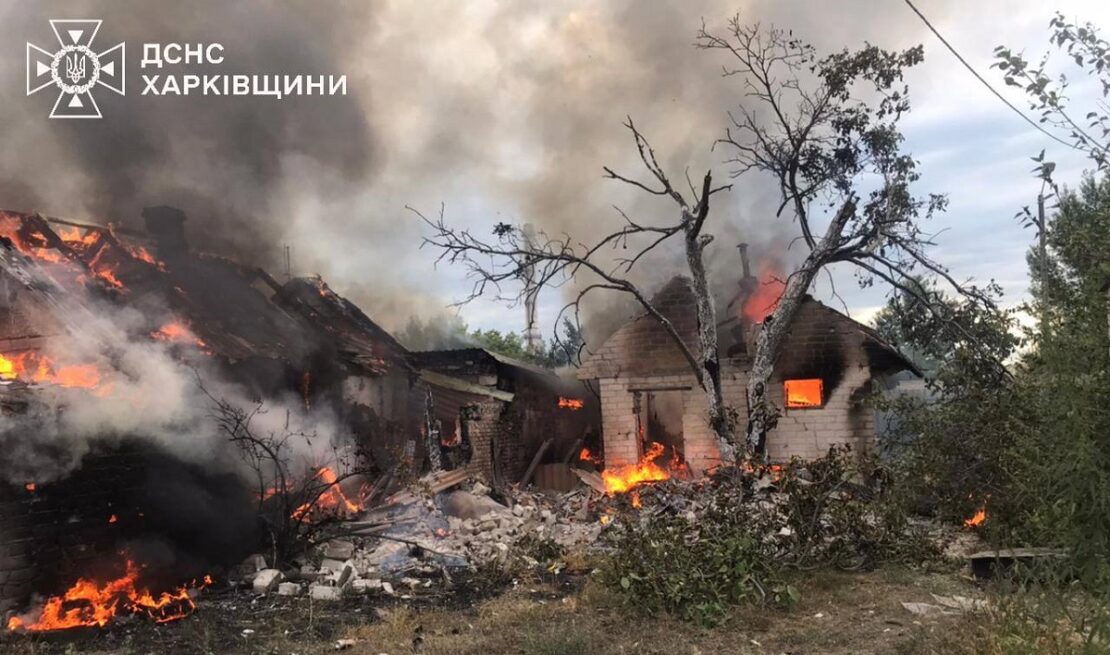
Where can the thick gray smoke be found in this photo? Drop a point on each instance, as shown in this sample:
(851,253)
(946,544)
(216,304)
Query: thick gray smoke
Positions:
(503,111)
(222,159)
(108,381)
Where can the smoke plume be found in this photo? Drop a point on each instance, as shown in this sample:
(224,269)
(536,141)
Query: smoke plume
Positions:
(502,111)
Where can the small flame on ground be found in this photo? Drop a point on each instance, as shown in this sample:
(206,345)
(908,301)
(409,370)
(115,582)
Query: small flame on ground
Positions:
(332,500)
(113,518)
(623,478)
(30,487)
(573,404)
(88,603)
(977,519)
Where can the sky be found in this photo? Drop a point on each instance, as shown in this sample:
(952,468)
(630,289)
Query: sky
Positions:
(501,112)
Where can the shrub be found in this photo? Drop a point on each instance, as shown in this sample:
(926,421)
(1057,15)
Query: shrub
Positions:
(699,549)
(695,569)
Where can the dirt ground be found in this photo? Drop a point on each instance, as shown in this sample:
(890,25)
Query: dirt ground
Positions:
(840,613)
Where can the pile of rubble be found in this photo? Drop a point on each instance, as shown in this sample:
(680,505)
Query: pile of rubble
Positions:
(421,536)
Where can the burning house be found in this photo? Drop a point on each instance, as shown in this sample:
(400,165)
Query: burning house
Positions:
(820,381)
(105,333)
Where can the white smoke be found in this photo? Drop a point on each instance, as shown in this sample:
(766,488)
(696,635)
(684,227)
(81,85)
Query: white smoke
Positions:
(158,392)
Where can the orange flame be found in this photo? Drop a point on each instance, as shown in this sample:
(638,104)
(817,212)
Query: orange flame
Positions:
(978,519)
(623,478)
(804,393)
(765,296)
(585,455)
(331,501)
(177,333)
(38,368)
(30,486)
(88,603)
(73,237)
(142,254)
(573,404)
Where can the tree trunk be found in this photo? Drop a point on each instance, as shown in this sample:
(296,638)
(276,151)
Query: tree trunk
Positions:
(709,361)
(431,434)
(762,415)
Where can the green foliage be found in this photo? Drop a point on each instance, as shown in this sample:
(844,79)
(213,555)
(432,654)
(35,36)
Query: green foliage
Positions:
(841,512)
(1087,131)
(695,569)
(449,331)
(1034,447)
(739,544)
(951,446)
(1065,498)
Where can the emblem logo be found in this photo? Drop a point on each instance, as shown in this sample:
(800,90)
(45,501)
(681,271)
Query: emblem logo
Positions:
(75,68)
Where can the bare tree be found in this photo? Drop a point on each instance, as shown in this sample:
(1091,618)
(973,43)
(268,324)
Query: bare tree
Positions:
(834,156)
(511,257)
(826,129)
(296,498)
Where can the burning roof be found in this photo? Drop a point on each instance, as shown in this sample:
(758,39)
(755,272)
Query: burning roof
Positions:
(232,311)
(816,327)
(359,340)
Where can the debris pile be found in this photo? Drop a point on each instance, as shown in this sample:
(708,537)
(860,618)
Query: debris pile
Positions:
(818,513)
(421,536)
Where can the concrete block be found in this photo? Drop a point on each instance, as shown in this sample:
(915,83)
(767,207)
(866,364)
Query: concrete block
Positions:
(365,586)
(325,592)
(339,549)
(266,580)
(289,589)
(332,564)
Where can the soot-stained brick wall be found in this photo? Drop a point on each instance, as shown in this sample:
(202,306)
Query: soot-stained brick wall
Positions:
(52,533)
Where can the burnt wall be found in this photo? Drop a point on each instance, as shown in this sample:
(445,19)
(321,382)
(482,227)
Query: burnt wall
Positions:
(52,533)
(178,520)
(495,437)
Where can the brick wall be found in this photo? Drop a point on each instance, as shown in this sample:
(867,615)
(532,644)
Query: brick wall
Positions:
(642,346)
(494,432)
(822,343)
(49,536)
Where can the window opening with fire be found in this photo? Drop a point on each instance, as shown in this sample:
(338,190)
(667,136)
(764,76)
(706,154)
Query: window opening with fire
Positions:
(659,418)
(802,394)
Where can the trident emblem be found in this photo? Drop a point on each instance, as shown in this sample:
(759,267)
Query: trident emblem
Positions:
(75,67)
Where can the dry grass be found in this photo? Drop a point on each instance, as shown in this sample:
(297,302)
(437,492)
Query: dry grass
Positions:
(859,614)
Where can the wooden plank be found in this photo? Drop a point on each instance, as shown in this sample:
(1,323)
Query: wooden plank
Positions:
(592,479)
(574,450)
(535,461)
(444,480)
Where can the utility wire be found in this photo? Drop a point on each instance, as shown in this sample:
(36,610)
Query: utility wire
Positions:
(986,83)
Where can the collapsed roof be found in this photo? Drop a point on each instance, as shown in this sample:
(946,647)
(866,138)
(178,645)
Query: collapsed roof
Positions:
(238,312)
(815,327)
